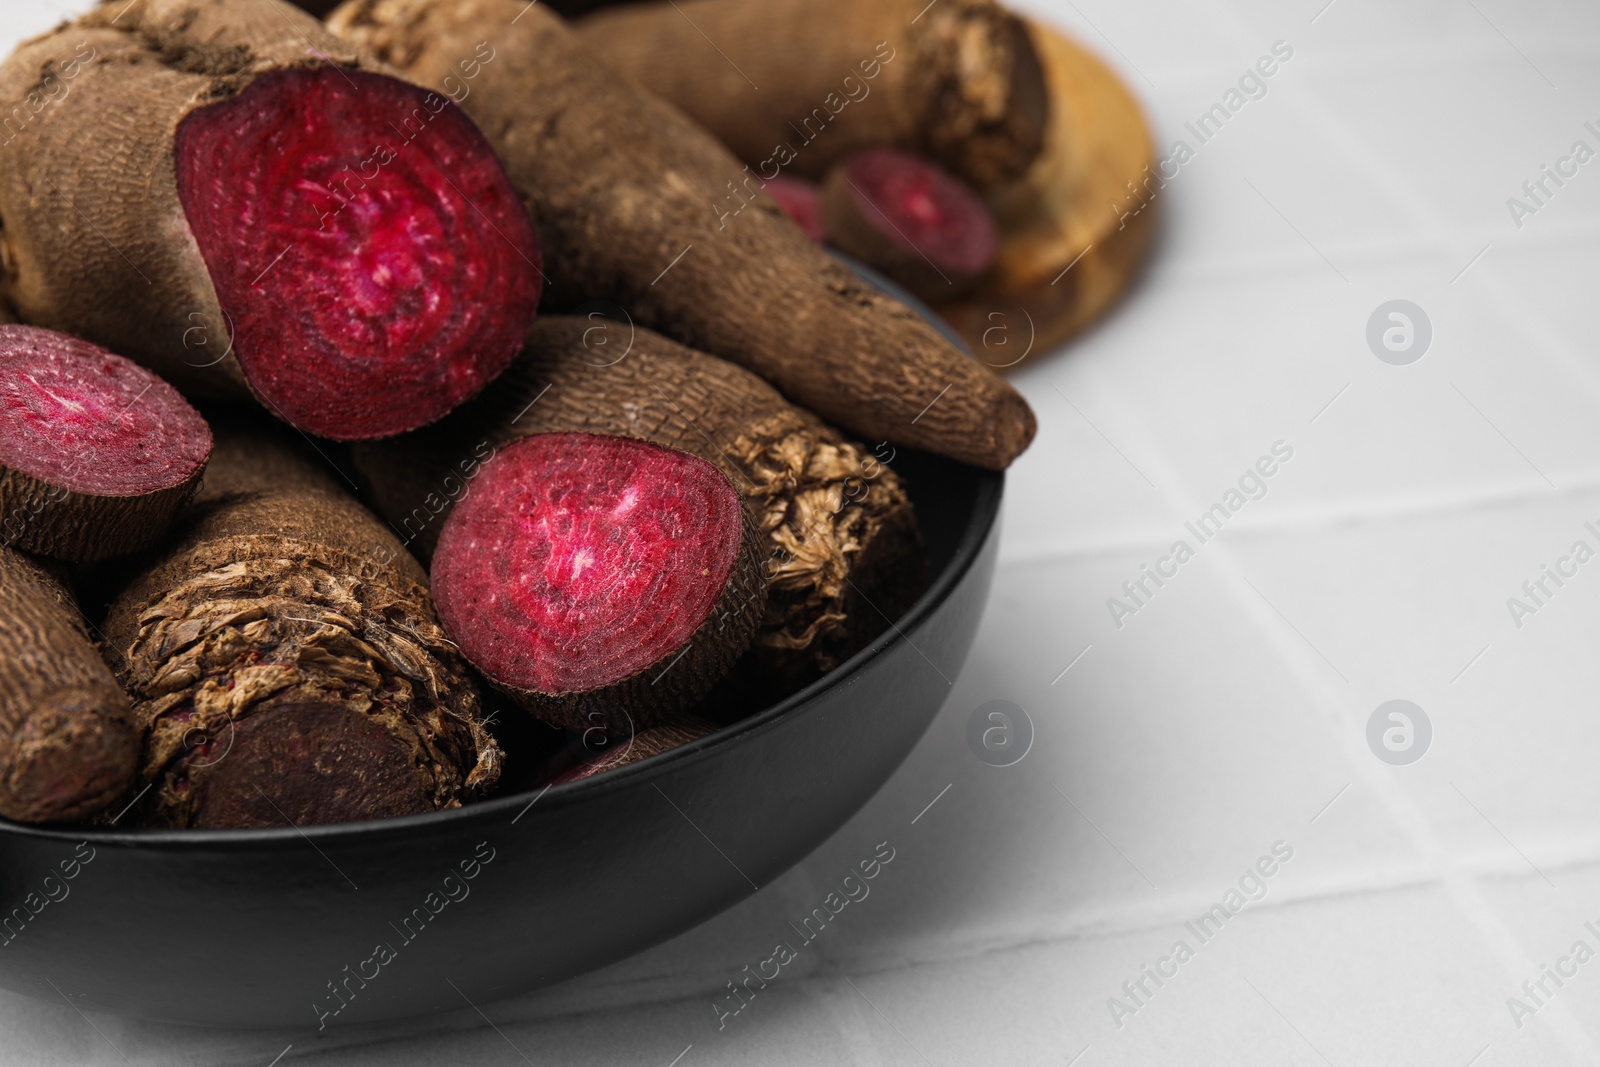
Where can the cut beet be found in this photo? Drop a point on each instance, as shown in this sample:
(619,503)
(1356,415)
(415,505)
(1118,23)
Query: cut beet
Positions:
(588,574)
(97,454)
(364,243)
(839,532)
(909,218)
(801,201)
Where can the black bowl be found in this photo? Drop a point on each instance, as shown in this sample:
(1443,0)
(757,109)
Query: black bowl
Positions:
(359,922)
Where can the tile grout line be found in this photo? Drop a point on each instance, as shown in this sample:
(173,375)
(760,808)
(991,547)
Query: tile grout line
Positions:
(1462,888)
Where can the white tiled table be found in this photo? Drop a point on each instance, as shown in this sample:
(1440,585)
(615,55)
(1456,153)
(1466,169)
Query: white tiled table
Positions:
(1230,712)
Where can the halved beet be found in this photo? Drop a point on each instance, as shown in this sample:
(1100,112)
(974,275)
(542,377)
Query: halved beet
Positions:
(97,454)
(372,259)
(801,200)
(909,218)
(589,576)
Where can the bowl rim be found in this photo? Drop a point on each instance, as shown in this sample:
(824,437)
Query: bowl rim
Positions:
(985,514)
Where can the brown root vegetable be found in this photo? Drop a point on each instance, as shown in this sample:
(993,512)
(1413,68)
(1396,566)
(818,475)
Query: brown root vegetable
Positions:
(625,193)
(97,454)
(228,194)
(598,574)
(1076,230)
(286,663)
(68,748)
(799,84)
(904,216)
(801,200)
(841,551)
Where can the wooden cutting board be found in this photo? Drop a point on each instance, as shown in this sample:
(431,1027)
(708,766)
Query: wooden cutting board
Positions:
(1074,231)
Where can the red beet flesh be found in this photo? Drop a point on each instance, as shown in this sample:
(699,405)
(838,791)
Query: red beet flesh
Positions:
(801,201)
(76,416)
(923,209)
(578,560)
(372,259)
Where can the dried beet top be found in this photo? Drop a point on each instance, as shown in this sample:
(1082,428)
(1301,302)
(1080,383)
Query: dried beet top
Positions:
(285,660)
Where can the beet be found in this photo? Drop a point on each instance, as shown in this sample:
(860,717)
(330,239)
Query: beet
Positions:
(912,220)
(840,538)
(957,80)
(622,184)
(586,573)
(285,661)
(97,454)
(801,201)
(68,748)
(225,193)
(413,268)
